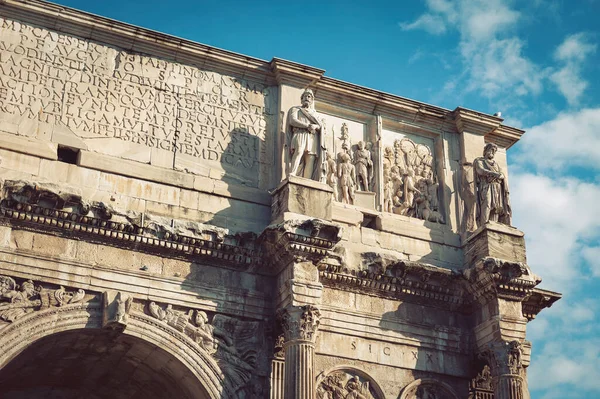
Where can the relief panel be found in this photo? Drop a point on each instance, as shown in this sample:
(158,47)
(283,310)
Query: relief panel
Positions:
(350,167)
(411,185)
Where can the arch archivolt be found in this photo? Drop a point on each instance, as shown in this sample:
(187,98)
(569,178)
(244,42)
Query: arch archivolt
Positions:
(18,335)
(428,388)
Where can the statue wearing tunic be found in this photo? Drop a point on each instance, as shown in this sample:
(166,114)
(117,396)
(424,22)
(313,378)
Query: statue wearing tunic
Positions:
(304,138)
(492,190)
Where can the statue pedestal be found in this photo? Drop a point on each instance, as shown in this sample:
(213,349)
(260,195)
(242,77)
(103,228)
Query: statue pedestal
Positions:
(365,199)
(301,196)
(495,240)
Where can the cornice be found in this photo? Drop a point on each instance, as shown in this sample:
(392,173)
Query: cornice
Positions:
(410,281)
(134,38)
(538,300)
(295,74)
(486,125)
(123,235)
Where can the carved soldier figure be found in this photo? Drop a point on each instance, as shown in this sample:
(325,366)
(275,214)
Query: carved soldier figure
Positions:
(388,193)
(304,132)
(364,164)
(347,176)
(332,180)
(492,190)
(409,191)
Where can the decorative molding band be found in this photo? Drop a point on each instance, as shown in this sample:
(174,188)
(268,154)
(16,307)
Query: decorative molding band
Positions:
(123,235)
(407,280)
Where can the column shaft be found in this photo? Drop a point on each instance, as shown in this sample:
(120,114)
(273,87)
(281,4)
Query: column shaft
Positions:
(299,370)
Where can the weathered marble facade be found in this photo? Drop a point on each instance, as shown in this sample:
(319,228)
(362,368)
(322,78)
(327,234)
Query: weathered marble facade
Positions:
(154,241)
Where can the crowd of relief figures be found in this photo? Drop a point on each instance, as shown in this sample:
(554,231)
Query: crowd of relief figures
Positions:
(410,186)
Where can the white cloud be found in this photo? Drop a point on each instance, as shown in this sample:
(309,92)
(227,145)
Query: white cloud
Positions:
(500,67)
(558,215)
(569,82)
(575,47)
(571,139)
(433,24)
(592,257)
(572,53)
(494,59)
(574,362)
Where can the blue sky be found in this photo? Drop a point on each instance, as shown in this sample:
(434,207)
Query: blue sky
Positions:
(536,61)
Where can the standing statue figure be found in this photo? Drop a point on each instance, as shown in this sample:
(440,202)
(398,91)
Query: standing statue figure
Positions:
(364,166)
(492,190)
(347,178)
(305,139)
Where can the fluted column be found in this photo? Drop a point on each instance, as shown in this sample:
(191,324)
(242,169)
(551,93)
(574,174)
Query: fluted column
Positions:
(300,324)
(506,366)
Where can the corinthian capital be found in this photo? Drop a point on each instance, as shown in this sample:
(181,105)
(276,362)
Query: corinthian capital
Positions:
(300,322)
(504,358)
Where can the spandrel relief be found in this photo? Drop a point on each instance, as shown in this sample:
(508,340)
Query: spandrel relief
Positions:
(410,184)
(235,344)
(18,300)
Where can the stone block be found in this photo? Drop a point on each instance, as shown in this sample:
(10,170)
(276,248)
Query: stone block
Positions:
(410,227)
(21,239)
(54,246)
(54,171)
(135,169)
(82,177)
(189,199)
(346,214)
(26,146)
(364,199)
(20,162)
(301,196)
(495,240)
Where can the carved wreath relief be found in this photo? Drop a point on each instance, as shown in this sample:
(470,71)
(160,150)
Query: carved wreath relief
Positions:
(410,185)
(344,385)
(17,300)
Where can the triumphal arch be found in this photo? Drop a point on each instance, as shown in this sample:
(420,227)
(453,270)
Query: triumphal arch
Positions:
(180,221)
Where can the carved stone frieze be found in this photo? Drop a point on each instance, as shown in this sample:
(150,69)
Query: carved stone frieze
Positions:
(117,306)
(300,322)
(345,384)
(17,300)
(409,184)
(235,344)
(172,238)
(491,277)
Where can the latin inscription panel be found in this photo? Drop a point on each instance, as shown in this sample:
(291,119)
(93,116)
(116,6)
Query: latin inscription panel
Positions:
(134,106)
